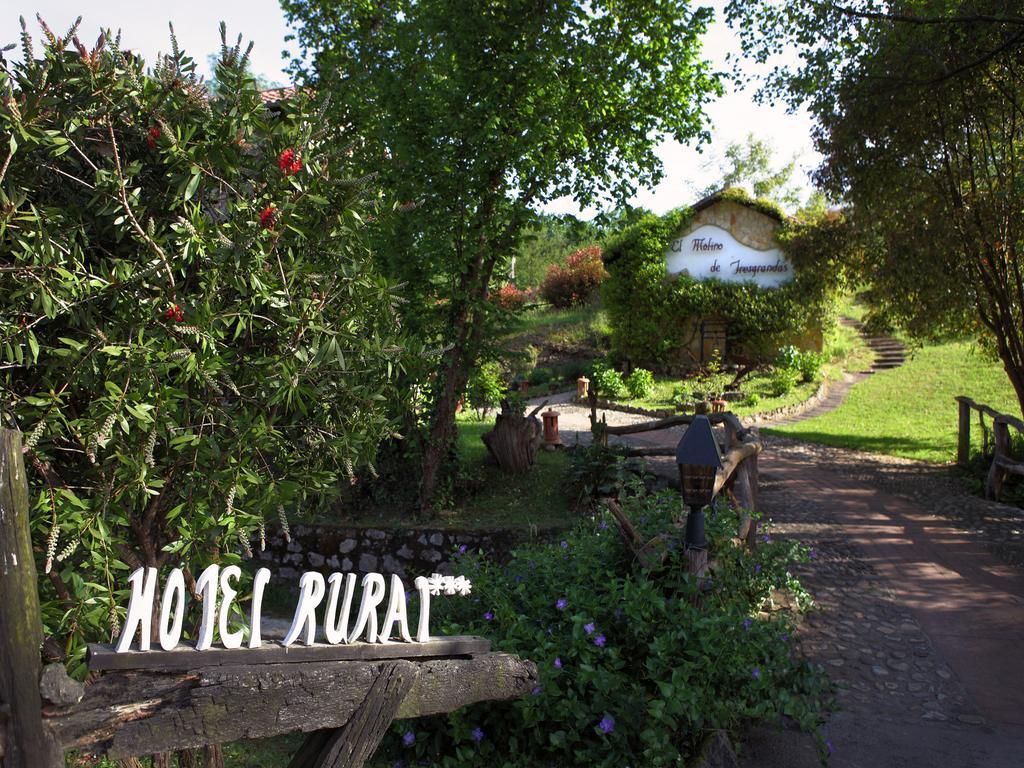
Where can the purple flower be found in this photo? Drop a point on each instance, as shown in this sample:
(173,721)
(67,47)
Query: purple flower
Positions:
(828,746)
(607,724)
(813,554)
(561,604)
(589,628)
(462,549)
(785,637)
(558,662)
(766,539)
(565,545)
(756,673)
(599,641)
(746,624)
(757,568)
(478,735)
(537,690)
(488,616)
(603,525)
(409,738)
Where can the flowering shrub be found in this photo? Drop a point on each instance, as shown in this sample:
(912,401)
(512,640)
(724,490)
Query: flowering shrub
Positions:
(634,667)
(576,282)
(191,339)
(511,298)
(640,383)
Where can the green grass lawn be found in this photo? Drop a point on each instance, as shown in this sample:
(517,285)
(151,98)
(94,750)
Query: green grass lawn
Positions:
(909,411)
(756,383)
(499,500)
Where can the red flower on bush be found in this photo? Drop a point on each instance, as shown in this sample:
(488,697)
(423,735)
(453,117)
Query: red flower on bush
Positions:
(509,297)
(577,281)
(289,162)
(175,313)
(267,216)
(154,134)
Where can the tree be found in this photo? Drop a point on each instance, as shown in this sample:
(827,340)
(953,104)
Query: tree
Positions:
(921,114)
(751,164)
(191,337)
(485,109)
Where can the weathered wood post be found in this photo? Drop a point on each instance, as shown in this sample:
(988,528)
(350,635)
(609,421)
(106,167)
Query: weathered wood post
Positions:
(996,473)
(963,445)
(25,742)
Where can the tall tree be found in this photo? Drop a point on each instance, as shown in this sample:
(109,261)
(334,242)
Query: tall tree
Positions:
(921,120)
(752,164)
(486,108)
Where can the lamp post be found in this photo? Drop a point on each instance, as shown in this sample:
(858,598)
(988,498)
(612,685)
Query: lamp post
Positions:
(699,460)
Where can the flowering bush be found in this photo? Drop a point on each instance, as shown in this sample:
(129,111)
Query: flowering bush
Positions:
(511,298)
(640,383)
(577,281)
(190,337)
(634,667)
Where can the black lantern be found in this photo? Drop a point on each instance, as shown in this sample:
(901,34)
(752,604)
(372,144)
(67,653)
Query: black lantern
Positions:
(699,461)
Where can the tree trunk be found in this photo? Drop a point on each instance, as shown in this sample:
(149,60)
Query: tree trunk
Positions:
(514,440)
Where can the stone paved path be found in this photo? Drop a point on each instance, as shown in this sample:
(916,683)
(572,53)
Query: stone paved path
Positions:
(920,618)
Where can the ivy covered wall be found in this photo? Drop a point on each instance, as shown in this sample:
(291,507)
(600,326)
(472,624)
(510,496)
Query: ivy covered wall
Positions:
(655,317)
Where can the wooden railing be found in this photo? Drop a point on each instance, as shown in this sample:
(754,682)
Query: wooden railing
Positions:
(738,476)
(995,442)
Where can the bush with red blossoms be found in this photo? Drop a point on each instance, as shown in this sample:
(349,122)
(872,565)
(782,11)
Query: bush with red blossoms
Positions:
(173,438)
(509,297)
(577,281)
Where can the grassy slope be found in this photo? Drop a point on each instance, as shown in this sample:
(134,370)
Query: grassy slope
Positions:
(909,411)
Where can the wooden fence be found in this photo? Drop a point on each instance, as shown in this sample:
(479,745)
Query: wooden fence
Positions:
(343,697)
(738,476)
(995,442)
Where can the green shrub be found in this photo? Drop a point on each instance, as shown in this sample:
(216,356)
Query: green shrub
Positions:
(193,337)
(485,389)
(597,471)
(783,381)
(640,383)
(810,366)
(608,381)
(635,668)
(788,358)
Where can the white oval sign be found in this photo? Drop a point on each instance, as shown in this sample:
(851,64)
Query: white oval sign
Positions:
(710,252)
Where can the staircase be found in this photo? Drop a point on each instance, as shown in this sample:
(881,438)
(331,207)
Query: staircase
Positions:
(889,353)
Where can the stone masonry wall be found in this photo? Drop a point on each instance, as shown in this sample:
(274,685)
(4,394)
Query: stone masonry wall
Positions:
(749,226)
(406,552)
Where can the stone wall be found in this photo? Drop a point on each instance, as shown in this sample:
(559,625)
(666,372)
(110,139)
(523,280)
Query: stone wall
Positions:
(406,552)
(749,226)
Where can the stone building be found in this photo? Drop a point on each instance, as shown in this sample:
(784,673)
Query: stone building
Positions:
(731,240)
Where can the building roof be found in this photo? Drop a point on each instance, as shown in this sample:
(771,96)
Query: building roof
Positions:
(739,196)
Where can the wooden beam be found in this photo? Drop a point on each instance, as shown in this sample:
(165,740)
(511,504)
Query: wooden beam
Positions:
(102,656)
(131,713)
(353,744)
(28,743)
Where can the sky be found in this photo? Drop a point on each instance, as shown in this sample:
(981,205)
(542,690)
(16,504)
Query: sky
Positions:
(144,30)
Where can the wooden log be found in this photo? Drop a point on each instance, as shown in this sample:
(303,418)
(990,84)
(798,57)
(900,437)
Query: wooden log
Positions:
(353,744)
(130,713)
(963,444)
(29,744)
(102,656)
(729,419)
(652,451)
(514,440)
